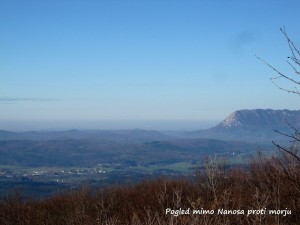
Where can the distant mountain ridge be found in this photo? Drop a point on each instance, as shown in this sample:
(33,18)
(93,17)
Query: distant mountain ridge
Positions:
(261,118)
(124,136)
(251,125)
(255,125)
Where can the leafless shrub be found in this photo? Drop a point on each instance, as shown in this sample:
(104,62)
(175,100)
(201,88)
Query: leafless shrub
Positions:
(270,182)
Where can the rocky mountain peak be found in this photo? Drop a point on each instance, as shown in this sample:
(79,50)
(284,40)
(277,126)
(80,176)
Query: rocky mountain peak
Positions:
(261,118)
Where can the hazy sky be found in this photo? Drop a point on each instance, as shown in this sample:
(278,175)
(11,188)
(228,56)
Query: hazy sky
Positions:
(142,60)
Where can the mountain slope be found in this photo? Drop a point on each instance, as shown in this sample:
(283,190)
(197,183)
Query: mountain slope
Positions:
(119,136)
(261,118)
(89,153)
(255,125)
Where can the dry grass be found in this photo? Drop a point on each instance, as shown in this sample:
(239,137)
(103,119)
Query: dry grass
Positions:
(268,184)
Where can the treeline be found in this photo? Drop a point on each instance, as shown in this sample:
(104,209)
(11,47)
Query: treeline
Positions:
(267,192)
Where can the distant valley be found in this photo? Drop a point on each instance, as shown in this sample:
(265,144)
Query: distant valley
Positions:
(64,157)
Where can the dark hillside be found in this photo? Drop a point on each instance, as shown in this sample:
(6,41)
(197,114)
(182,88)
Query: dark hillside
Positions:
(88,153)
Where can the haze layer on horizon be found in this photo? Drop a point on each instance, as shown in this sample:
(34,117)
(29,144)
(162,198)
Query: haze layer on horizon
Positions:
(58,125)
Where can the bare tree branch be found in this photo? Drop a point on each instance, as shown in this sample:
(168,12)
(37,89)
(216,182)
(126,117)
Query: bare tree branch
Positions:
(277,71)
(294,65)
(293,48)
(294,62)
(284,89)
(294,68)
(287,135)
(286,150)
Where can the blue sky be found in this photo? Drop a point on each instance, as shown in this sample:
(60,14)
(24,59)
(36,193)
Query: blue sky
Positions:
(141,60)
